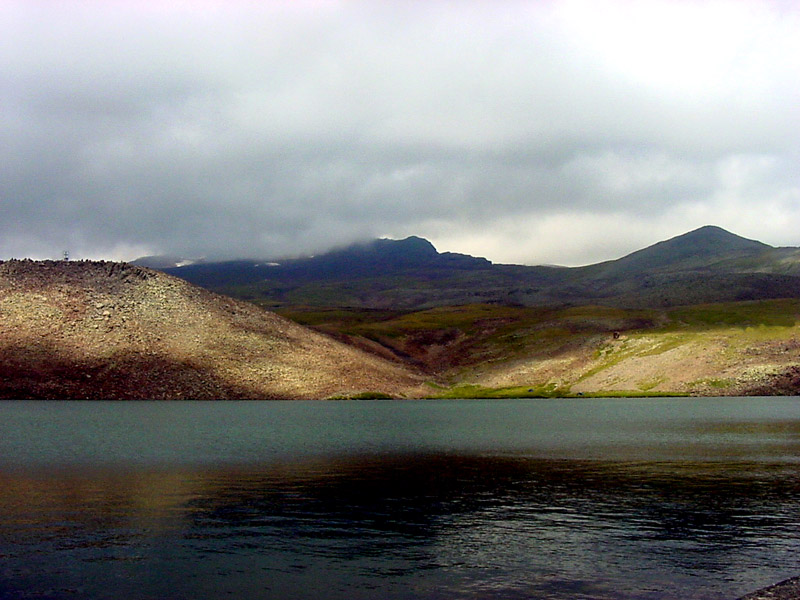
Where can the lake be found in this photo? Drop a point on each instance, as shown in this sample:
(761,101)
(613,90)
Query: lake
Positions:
(561,499)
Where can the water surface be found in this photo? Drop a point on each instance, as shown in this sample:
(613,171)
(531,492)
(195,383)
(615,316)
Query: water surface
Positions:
(645,499)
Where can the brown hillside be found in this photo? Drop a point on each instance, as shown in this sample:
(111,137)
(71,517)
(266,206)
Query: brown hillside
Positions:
(739,348)
(112,330)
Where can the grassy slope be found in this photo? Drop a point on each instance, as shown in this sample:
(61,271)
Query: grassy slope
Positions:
(488,351)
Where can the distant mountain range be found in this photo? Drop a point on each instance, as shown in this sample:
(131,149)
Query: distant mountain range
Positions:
(705,265)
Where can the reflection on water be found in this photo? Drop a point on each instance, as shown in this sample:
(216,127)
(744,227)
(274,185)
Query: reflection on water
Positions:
(403,527)
(464,523)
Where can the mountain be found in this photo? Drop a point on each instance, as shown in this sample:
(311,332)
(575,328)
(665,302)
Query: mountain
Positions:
(705,265)
(700,248)
(383,256)
(111,330)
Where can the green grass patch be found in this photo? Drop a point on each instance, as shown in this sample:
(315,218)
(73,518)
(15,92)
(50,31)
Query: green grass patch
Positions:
(774,313)
(648,385)
(667,343)
(632,394)
(480,392)
(468,392)
(764,333)
(717,384)
(343,319)
(609,355)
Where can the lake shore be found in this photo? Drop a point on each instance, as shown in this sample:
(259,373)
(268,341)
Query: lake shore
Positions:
(785,590)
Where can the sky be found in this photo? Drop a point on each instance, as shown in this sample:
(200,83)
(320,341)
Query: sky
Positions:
(551,132)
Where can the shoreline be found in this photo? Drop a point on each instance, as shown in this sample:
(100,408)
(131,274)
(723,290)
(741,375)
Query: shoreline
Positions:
(788,589)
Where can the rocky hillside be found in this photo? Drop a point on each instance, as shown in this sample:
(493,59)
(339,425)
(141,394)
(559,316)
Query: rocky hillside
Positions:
(737,348)
(111,330)
(691,351)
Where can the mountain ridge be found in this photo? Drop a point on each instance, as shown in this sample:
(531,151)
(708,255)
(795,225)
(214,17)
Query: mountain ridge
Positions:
(708,264)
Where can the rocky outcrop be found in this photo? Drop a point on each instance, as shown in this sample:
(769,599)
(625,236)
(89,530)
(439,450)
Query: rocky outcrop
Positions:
(785,590)
(118,331)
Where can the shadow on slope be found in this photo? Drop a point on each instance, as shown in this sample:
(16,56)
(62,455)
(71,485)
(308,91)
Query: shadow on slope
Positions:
(44,371)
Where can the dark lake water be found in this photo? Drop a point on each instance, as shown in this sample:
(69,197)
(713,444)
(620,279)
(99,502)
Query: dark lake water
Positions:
(557,499)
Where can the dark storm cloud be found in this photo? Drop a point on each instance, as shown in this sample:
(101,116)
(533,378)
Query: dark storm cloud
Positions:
(264,129)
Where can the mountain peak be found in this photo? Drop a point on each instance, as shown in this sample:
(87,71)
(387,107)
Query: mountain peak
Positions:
(412,246)
(385,255)
(694,248)
(714,235)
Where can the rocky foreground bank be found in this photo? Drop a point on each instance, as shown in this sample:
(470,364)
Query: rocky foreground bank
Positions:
(78,330)
(785,590)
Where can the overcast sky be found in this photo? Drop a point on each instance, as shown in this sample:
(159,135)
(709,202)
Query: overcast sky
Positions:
(564,132)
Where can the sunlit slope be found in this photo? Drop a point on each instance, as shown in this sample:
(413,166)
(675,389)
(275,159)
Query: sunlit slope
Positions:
(744,348)
(110,330)
(484,350)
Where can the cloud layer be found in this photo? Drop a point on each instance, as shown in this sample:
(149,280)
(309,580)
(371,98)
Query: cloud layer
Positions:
(534,132)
